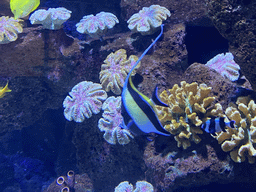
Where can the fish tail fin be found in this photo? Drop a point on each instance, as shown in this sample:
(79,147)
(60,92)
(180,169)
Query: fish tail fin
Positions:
(156,99)
(6,88)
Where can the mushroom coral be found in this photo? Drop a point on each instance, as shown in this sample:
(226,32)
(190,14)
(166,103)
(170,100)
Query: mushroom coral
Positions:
(9,28)
(115,69)
(52,18)
(148,19)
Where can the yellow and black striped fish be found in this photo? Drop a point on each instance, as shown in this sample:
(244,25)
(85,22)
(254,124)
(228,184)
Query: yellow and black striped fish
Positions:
(138,110)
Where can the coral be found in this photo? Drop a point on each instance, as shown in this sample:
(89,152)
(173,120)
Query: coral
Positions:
(124,186)
(52,18)
(97,25)
(85,99)
(148,19)
(189,107)
(225,65)
(241,141)
(141,186)
(9,28)
(111,121)
(115,69)
(71,182)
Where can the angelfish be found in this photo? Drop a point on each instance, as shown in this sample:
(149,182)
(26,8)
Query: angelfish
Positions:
(138,110)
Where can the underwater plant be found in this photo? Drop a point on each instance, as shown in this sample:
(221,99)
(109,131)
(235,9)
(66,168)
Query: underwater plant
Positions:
(115,69)
(53,18)
(225,65)
(9,28)
(97,25)
(85,99)
(111,121)
(148,19)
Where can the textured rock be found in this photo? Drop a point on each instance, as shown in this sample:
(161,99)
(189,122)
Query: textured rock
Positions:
(236,22)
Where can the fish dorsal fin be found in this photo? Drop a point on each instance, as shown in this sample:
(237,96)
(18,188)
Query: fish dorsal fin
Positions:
(156,99)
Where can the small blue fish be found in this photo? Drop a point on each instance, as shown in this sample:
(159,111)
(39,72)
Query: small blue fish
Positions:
(215,125)
(138,110)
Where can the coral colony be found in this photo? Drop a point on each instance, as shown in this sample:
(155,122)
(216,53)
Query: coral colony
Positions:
(97,25)
(141,186)
(225,65)
(9,29)
(111,121)
(148,19)
(85,99)
(115,69)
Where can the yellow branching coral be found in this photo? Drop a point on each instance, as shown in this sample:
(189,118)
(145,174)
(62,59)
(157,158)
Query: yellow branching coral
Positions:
(189,107)
(9,28)
(241,141)
(115,69)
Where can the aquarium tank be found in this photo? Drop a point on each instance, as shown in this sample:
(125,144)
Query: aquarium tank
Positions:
(127,95)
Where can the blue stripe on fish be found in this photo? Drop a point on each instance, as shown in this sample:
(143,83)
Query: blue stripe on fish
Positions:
(138,110)
(215,125)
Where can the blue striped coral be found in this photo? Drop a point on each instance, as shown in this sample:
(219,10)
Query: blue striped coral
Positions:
(148,19)
(85,99)
(115,69)
(111,121)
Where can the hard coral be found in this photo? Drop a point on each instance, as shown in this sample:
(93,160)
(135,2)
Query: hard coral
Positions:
(225,65)
(9,28)
(148,19)
(141,186)
(85,99)
(114,72)
(241,141)
(189,107)
(52,18)
(111,121)
(97,25)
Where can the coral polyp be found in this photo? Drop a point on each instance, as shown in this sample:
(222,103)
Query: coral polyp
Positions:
(148,19)
(85,99)
(9,29)
(115,69)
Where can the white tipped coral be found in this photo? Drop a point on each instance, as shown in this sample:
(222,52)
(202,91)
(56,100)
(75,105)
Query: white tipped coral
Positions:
(148,19)
(97,25)
(111,121)
(9,28)
(141,186)
(52,18)
(225,65)
(85,99)
(115,69)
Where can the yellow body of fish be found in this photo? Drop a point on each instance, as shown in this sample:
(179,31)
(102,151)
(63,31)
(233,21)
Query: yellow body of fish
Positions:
(22,8)
(4,90)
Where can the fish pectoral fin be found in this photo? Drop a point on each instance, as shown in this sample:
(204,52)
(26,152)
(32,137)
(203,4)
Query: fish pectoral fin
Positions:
(156,99)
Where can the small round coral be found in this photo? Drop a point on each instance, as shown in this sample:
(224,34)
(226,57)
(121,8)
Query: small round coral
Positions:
(143,186)
(124,186)
(148,19)
(225,65)
(85,99)
(53,18)
(115,69)
(111,121)
(9,28)
(97,25)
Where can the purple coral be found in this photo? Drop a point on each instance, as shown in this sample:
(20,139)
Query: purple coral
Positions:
(124,187)
(85,99)
(97,25)
(225,65)
(111,121)
(148,19)
(143,186)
